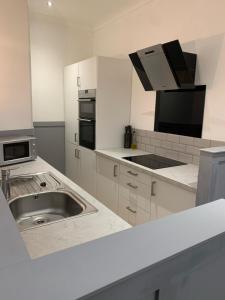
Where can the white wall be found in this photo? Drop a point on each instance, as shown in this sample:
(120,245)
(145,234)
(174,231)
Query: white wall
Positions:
(53,45)
(15,88)
(200,27)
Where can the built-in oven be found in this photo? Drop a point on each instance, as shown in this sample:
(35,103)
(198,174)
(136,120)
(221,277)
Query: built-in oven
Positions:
(87,118)
(87,104)
(87,133)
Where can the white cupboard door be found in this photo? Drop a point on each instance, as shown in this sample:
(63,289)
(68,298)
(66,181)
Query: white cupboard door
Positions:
(88,170)
(88,74)
(107,182)
(69,151)
(72,163)
(167,199)
(71,103)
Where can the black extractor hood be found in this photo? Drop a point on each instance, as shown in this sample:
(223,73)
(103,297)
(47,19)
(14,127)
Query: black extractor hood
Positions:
(165,67)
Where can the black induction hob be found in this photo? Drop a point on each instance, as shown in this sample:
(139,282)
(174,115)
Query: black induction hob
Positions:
(153,161)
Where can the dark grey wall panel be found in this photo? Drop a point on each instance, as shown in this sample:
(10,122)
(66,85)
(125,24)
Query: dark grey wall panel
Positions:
(51,143)
(19,132)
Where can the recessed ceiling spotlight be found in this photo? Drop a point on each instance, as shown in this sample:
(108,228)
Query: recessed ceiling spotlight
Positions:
(49,3)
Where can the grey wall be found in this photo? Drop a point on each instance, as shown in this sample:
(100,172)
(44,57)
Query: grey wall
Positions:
(19,132)
(51,143)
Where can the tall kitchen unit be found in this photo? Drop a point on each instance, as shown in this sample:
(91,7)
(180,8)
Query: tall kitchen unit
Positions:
(111,78)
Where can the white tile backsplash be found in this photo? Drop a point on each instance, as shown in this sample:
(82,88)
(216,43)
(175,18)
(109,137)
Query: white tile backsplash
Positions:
(182,148)
(173,138)
(187,140)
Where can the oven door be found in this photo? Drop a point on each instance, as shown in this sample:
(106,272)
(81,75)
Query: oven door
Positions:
(87,109)
(87,133)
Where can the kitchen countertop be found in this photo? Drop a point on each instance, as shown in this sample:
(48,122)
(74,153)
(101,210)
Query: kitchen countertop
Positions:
(185,176)
(69,232)
(91,267)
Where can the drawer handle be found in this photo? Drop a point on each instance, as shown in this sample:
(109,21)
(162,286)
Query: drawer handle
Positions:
(131,210)
(153,188)
(132,173)
(115,170)
(132,186)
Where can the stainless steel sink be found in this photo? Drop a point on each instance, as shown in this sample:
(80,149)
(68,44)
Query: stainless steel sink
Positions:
(52,201)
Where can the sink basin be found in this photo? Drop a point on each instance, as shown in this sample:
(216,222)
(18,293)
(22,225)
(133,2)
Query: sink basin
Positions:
(46,206)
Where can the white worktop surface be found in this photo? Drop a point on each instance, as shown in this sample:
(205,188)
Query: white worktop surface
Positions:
(185,176)
(89,267)
(69,232)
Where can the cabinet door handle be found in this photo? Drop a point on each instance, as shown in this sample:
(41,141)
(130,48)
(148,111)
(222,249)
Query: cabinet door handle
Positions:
(75,137)
(78,154)
(75,153)
(131,210)
(132,173)
(132,186)
(115,170)
(78,81)
(152,188)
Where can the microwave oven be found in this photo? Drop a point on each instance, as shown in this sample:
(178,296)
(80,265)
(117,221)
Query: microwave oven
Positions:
(14,150)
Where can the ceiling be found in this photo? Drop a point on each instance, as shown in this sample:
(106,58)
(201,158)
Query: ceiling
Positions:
(88,13)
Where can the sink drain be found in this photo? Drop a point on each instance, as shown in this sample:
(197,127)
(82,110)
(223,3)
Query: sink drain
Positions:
(40,221)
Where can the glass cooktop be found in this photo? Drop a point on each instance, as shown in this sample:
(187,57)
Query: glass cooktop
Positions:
(153,161)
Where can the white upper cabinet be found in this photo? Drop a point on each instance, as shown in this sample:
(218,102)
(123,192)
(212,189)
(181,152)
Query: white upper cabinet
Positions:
(112,79)
(71,103)
(88,74)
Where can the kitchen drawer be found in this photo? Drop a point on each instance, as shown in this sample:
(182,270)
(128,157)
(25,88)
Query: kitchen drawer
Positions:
(123,212)
(135,174)
(131,213)
(134,191)
(127,211)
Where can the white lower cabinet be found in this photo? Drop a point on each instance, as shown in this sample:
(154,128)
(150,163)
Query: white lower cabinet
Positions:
(134,200)
(137,197)
(87,178)
(107,182)
(72,163)
(81,167)
(167,199)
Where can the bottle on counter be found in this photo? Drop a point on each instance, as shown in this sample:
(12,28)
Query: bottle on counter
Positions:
(134,140)
(128,137)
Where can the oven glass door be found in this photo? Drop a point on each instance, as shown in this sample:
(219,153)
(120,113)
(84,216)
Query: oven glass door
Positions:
(13,151)
(87,109)
(87,134)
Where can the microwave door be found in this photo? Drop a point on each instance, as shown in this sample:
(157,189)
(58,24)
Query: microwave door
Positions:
(14,151)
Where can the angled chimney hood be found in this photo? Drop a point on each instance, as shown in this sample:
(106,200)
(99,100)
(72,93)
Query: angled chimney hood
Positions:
(165,67)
